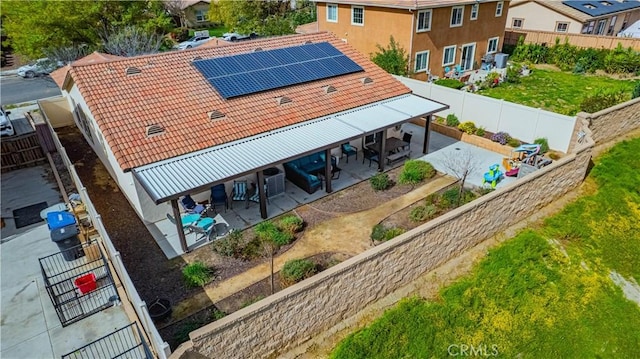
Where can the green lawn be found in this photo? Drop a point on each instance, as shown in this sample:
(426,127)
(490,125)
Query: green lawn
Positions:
(529,297)
(556,91)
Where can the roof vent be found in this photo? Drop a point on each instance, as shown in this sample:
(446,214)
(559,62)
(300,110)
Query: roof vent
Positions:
(367,80)
(308,42)
(215,115)
(196,58)
(132,71)
(329,89)
(283,100)
(154,130)
(257,49)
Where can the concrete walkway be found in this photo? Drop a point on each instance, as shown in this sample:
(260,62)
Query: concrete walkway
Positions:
(345,234)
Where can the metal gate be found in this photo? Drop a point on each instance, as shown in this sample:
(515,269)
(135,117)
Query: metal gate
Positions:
(126,342)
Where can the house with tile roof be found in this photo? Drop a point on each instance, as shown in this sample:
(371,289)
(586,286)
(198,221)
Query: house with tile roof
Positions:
(170,124)
(436,34)
(603,17)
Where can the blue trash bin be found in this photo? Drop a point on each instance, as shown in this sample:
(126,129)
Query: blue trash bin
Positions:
(59,219)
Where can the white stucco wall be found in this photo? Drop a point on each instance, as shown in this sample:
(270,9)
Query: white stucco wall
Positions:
(538,17)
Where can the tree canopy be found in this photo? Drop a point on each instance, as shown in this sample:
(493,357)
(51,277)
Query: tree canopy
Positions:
(392,59)
(37,25)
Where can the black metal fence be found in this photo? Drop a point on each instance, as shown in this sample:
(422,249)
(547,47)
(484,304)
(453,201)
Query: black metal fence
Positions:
(126,342)
(78,287)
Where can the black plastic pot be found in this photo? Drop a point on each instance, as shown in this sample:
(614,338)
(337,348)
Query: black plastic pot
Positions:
(160,309)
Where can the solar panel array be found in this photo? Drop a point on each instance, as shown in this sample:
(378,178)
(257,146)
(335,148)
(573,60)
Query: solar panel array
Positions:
(249,73)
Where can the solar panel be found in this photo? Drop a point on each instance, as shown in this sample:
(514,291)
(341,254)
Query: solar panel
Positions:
(259,71)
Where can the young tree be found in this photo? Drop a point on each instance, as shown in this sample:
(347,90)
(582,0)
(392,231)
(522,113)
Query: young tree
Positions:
(131,41)
(393,59)
(247,16)
(462,164)
(67,54)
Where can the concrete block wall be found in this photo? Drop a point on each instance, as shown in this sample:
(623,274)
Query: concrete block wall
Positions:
(614,121)
(296,314)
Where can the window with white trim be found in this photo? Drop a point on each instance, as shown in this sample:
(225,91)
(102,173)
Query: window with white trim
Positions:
(424,21)
(449,55)
(601,26)
(332,13)
(456,16)
(202,16)
(517,23)
(562,26)
(357,15)
(474,11)
(422,61)
(492,46)
(612,23)
(499,7)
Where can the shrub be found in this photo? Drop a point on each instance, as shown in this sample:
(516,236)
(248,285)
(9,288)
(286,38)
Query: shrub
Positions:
(229,246)
(492,80)
(620,60)
(449,198)
(513,75)
(415,171)
(267,231)
(295,270)
(290,224)
(467,127)
(636,90)
(544,144)
(501,137)
(480,131)
(451,83)
(393,232)
(452,120)
(377,233)
(514,142)
(423,213)
(197,274)
(380,181)
(602,99)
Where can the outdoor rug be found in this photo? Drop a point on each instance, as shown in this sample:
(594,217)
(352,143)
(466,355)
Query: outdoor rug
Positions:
(28,215)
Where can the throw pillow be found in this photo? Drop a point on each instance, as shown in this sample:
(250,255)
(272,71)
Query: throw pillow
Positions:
(347,147)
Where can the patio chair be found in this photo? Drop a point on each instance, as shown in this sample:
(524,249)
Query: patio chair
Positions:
(201,232)
(190,206)
(370,155)
(349,150)
(406,137)
(256,195)
(219,197)
(240,192)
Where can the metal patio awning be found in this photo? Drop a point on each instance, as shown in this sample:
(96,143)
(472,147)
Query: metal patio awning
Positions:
(192,172)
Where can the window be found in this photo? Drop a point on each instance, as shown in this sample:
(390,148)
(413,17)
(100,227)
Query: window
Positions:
(202,16)
(601,25)
(499,6)
(517,23)
(456,15)
(422,61)
(493,45)
(424,21)
(589,6)
(449,57)
(562,26)
(588,27)
(474,11)
(332,13)
(81,118)
(612,24)
(357,15)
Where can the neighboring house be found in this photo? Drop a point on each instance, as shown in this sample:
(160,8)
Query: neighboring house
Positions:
(631,31)
(602,17)
(436,34)
(177,123)
(195,13)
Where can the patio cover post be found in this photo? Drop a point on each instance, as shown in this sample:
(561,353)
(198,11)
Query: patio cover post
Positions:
(381,156)
(262,195)
(427,132)
(178,217)
(327,170)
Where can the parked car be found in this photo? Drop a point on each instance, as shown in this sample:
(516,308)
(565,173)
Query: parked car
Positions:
(6,128)
(234,36)
(39,67)
(192,42)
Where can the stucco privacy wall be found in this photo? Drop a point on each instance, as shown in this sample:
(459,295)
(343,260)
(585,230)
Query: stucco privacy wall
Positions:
(614,121)
(522,122)
(292,316)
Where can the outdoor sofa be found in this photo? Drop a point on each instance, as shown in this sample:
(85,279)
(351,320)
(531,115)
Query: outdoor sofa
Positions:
(303,171)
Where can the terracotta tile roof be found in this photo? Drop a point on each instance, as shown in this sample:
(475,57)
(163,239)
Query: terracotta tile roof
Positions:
(215,42)
(307,28)
(402,4)
(59,75)
(171,93)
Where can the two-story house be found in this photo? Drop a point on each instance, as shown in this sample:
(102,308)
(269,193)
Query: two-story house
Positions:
(602,17)
(436,34)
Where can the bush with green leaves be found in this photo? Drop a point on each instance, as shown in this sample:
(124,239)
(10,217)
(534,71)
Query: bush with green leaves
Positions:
(393,59)
(601,99)
(544,144)
(480,131)
(423,213)
(295,270)
(415,171)
(636,90)
(449,198)
(229,246)
(452,120)
(290,224)
(467,127)
(621,60)
(393,232)
(513,75)
(268,231)
(451,83)
(380,233)
(514,142)
(380,181)
(197,274)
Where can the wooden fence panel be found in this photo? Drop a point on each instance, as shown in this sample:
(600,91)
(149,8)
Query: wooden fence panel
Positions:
(511,37)
(21,151)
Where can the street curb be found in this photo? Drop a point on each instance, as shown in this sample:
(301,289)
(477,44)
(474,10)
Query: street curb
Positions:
(8,73)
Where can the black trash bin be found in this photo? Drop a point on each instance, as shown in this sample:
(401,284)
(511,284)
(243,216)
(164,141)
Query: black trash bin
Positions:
(68,242)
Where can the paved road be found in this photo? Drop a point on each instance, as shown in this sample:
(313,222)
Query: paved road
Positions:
(15,89)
